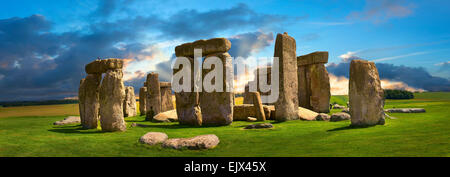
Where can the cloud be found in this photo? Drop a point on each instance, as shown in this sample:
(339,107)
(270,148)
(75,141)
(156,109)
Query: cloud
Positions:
(348,57)
(379,11)
(245,44)
(417,78)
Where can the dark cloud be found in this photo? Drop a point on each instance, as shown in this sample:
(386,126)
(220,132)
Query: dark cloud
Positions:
(414,77)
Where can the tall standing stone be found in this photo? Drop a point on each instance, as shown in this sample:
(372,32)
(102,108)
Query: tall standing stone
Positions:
(142,100)
(81,98)
(287,104)
(112,95)
(129,104)
(187,103)
(217,107)
(166,96)
(365,94)
(153,96)
(314,82)
(89,100)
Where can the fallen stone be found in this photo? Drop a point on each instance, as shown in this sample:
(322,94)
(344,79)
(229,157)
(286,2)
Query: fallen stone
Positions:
(405,110)
(337,106)
(339,117)
(323,117)
(152,138)
(168,116)
(139,125)
(210,46)
(306,114)
(259,126)
(251,119)
(68,120)
(199,142)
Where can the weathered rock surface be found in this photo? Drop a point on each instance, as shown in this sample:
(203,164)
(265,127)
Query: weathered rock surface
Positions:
(314,83)
(199,142)
(210,46)
(365,94)
(101,66)
(88,95)
(68,120)
(129,103)
(152,138)
(168,116)
(258,107)
(339,117)
(112,95)
(306,114)
(143,100)
(259,126)
(251,119)
(337,106)
(166,96)
(287,104)
(323,117)
(188,111)
(405,110)
(216,106)
(153,96)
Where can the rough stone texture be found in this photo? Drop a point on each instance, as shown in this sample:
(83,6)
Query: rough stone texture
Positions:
(287,103)
(272,112)
(187,108)
(168,116)
(217,107)
(405,110)
(251,119)
(112,95)
(152,138)
(258,107)
(101,66)
(365,94)
(68,120)
(323,117)
(258,126)
(314,82)
(129,103)
(210,46)
(247,98)
(199,142)
(241,112)
(143,100)
(88,94)
(340,116)
(306,114)
(153,96)
(319,57)
(337,106)
(166,96)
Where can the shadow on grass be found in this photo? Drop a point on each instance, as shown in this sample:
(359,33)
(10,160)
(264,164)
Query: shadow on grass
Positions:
(349,128)
(73,129)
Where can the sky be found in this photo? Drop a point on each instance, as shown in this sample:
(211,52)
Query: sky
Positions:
(45,44)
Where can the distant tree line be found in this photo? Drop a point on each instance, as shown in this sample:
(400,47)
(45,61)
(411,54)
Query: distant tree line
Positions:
(398,94)
(34,103)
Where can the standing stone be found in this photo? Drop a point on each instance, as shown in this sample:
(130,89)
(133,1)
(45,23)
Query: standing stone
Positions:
(153,96)
(365,94)
(247,97)
(217,107)
(257,104)
(187,103)
(89,101)
(166,96)
(287,104)
(129,104)
(112,95)
(314,82)
(142,100)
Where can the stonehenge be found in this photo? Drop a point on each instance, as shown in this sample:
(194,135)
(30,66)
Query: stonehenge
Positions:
(314,82)
(153,102)
(259,73)
(287,104)
(365,94)
(88,94)
(129,104)
(142,100)
(166,96)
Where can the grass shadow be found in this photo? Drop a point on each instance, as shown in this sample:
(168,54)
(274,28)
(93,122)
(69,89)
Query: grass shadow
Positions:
(349,128)
(74,130)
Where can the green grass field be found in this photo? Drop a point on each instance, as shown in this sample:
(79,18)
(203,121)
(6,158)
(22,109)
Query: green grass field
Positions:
(28,131)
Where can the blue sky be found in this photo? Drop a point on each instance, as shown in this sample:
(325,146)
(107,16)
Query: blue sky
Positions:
(45,44)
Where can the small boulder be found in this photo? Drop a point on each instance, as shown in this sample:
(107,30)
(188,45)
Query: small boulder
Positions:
(337,106)
(323,117)
(306,114)
(168,116)
(251,119)
(152,138)
(339,117)
(258,126)
(68,120)
(199,142)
